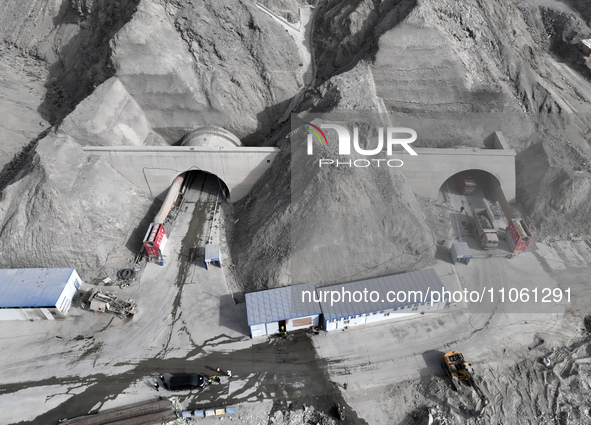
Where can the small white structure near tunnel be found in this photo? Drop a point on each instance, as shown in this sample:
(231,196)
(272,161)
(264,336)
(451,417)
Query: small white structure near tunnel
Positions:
(40,293)
(268,311)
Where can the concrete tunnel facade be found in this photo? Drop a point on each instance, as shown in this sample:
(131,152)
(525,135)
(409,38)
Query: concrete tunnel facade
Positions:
(216,151)
(209,149)
(427,171)
(153,168)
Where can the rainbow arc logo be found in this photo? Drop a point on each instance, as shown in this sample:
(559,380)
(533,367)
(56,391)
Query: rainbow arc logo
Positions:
(315,130)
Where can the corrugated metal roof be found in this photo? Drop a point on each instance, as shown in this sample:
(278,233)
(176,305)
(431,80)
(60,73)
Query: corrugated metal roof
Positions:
(421,280)
(32,287)
(278,304)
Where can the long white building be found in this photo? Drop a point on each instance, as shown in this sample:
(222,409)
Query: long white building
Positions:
(396,296)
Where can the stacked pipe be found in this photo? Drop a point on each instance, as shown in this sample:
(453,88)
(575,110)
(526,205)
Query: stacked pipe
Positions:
(166,207)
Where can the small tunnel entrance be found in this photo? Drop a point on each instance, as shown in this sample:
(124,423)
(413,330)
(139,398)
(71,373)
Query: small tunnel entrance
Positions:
(478,210)
(194,192)
(204,181)
(473,183)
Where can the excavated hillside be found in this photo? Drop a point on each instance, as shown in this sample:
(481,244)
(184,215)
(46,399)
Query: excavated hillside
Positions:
(59,183)
(455,71)
(124,73)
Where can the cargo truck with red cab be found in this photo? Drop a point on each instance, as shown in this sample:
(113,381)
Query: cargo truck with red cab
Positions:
(519,235)
(487,234)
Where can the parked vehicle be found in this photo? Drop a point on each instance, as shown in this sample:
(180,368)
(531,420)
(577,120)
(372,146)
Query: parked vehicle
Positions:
(520,235)
(467,185)
(487,235)
(185,381)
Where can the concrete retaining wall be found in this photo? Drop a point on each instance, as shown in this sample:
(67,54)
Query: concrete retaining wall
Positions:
(152,169)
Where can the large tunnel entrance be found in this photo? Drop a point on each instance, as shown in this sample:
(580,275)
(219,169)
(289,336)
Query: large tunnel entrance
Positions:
(200,180)
(431,169)
(477,183)
(193,198)
(190,213)
(194,194)
(479,212)
(213,137)
(475,189)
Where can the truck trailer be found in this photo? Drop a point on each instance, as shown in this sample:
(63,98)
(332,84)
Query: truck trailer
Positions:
(520,235)
(487,235)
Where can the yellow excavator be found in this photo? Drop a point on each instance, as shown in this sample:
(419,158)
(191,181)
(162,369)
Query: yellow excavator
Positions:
(458,369)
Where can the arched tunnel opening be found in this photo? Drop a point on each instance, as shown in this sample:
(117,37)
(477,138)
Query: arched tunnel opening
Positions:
(475,189)
(195,196)
(479,213)
(477,182)
(203,180)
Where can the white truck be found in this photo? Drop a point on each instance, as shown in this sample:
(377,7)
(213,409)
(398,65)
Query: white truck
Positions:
(487,234)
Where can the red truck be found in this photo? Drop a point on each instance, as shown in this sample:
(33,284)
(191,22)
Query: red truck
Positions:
(467,185)
(520,235)
(155,240)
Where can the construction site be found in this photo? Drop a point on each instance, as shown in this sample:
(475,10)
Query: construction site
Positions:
(295,212)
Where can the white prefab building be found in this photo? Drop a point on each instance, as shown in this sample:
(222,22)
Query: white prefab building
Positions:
(290,307)
(415,290)
(27,294)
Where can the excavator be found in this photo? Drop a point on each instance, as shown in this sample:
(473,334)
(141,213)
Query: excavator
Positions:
(458,370)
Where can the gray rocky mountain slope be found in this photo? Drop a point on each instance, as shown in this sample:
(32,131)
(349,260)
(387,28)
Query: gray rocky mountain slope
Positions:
(232,63)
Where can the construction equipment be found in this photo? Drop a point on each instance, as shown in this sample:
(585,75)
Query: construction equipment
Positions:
(108,302)
(520,235)
(486,230)
(467,185)
(458,370)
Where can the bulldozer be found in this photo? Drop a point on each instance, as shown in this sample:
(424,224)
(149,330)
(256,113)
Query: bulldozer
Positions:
(458,369)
